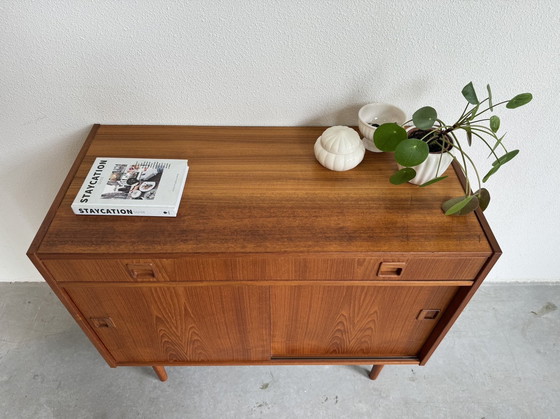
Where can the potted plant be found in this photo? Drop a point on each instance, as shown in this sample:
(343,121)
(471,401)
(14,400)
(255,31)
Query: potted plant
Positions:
(431,145)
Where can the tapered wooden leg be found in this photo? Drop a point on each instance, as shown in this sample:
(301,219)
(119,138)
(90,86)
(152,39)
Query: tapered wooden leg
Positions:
(375,370)
(161,373)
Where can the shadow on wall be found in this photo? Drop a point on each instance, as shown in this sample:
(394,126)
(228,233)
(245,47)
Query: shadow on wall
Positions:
(39,176)
(344,116)
(360,96)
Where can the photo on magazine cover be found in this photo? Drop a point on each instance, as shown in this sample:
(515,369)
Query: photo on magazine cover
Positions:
(134,181)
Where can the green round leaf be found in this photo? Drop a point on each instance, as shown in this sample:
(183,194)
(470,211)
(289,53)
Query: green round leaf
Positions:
(424,118)
(388,136)
(505,158)
(483,198)
(411,152)
(494,123)
(403,176)
(469,94)
(519,100)
(461,205)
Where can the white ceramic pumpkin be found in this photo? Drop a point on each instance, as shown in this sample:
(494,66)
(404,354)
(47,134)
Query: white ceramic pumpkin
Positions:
(339,148)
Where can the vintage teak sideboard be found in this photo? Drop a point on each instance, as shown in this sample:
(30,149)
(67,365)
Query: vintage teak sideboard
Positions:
(272,259)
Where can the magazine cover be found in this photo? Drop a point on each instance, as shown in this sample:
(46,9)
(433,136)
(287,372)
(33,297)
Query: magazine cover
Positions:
(125,186)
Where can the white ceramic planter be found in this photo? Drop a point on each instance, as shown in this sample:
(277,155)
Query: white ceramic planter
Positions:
(339,148)
(377,113)
(429,170)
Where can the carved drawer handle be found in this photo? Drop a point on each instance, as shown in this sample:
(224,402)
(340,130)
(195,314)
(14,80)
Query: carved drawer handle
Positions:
(102,322)
(428,314)
(141,270)
(391,269)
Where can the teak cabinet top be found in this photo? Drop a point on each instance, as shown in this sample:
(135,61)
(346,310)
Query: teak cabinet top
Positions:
(260,190)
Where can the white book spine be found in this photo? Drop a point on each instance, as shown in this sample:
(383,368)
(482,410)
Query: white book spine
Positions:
(137,211)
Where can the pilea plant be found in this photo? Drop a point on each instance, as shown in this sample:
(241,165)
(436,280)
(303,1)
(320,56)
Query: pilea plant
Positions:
(432,135)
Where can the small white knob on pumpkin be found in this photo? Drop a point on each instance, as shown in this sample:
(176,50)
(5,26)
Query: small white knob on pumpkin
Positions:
(339,148)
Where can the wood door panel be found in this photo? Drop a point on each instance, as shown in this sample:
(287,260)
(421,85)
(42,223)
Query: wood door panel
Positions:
(353,321)
(179,324)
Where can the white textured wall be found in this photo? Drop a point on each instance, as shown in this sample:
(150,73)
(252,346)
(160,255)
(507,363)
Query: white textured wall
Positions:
(67,64)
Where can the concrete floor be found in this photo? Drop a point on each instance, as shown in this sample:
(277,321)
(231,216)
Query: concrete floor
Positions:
(500,360)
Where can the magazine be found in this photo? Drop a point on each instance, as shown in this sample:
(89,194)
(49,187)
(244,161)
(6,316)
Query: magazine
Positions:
(125,186)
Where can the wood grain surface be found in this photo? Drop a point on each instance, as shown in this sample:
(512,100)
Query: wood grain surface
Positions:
(190,324)
(313,321)
(265,268)
(255,190)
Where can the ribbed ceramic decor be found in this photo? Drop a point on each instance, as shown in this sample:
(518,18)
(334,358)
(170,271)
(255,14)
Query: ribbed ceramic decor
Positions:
(429,169)
(339,148)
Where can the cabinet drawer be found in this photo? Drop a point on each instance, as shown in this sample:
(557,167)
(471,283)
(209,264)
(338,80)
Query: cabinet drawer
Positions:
(430,268)
(339,268)
(106,270)
(263,268)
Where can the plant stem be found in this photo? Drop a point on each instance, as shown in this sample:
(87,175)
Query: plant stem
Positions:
(480,120)
(467,186)
(429,134)
(492,151)
(462,119)
(439,163)
(445,129)
(499,142)
(493,106)
(464,110)
(467,192)
(486,130)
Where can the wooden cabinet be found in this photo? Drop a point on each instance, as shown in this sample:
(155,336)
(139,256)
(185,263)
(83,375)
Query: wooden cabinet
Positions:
(272,258)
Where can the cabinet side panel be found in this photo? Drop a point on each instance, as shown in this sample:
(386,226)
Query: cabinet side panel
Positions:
(73,310)
(455,309)
(466,293)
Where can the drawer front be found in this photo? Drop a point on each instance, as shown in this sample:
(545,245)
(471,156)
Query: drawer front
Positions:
(107,270)
(263,268)
(251,268)
(453,268)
